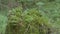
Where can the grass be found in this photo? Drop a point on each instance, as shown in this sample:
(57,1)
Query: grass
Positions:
(3,23)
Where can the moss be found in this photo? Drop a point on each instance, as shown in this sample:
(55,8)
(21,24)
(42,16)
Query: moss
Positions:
(28,22)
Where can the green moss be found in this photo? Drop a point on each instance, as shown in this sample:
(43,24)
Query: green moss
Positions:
(27,22)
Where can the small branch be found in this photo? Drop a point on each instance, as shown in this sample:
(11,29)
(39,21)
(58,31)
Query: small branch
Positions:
(27,28)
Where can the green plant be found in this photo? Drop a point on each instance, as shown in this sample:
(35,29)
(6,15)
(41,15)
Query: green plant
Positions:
(3,23)
(29,21)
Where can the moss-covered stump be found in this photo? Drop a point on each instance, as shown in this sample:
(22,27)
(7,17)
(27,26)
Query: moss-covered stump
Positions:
(29,21)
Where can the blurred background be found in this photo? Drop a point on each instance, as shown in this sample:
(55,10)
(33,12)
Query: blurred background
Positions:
(48,8)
